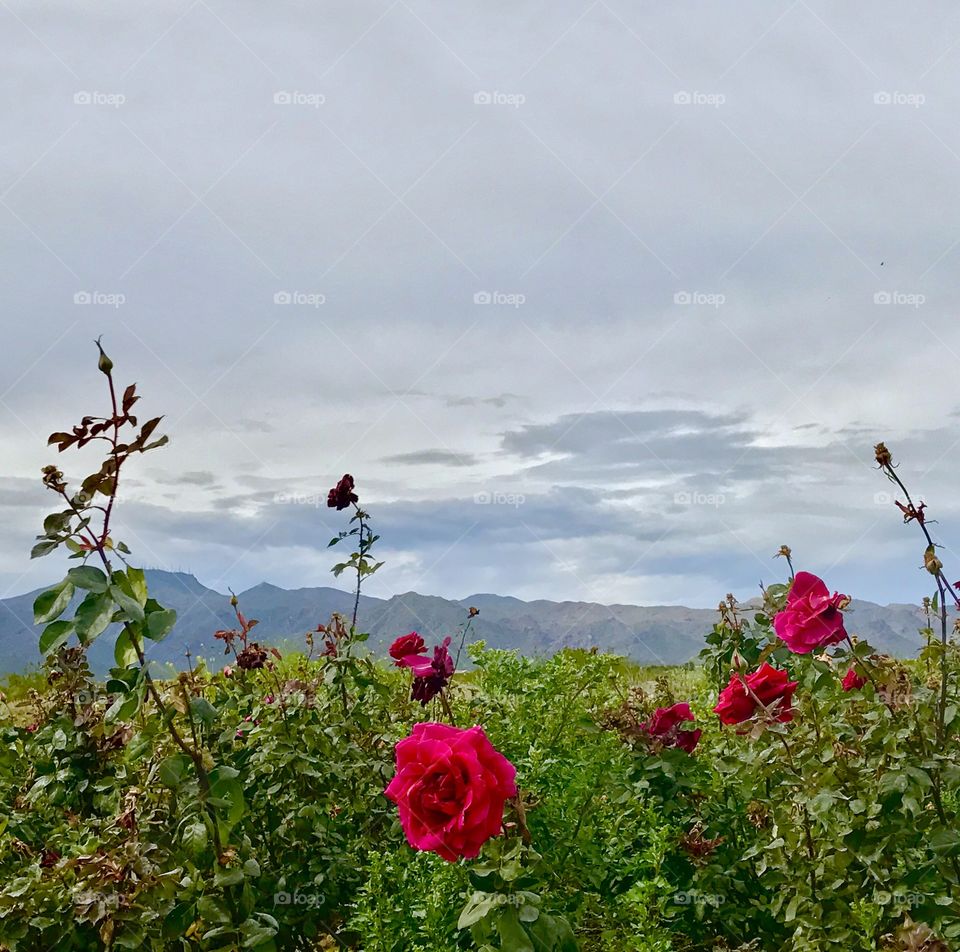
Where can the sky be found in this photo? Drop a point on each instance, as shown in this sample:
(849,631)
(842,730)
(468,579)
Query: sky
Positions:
(597,301)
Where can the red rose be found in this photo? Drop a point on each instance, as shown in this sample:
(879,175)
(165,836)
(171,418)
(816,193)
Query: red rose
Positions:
(450,788)
(342,495)
(411,644)
(766,685)
(852,681)
(812,618)
(664,726)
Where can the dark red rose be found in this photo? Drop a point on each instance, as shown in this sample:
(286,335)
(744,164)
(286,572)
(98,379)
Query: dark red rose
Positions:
(450,788)
(852,681)
(768,685)
(342,495)
(664,725)
(430,676)
(411,644)
(812,618)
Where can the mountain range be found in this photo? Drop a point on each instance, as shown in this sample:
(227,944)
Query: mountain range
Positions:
(650,634)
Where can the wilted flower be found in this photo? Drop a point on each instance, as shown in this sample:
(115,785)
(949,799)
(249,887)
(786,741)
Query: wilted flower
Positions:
(253,656)
(342,495)
(882,455)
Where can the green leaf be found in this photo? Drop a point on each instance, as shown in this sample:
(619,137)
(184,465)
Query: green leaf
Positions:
(42,548)
(173,770)
(160,623)
(512,935)
(51,604)
(194,838)
(55,635)
(226,794)
(88,577)
(137,581)
(93,615)
(127,603)
(478,907)
(203,710)
(124,652)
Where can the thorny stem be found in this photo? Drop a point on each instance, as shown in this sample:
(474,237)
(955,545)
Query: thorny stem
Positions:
(943,587)
(447,710)
(356,598)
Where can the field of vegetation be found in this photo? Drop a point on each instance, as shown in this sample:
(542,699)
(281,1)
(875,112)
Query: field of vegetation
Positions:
(793,790)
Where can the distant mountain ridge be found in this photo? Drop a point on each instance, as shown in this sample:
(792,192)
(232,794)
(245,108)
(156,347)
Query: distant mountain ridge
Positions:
(656,634)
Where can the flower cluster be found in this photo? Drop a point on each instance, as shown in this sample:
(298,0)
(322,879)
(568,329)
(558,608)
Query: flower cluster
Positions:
(430,675)
(811,619)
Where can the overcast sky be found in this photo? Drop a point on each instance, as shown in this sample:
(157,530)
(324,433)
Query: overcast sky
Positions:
(596,300)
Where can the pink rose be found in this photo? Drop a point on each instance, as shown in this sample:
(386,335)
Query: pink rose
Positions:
(812,618)
(450,788)
(852,681)
(664,726)
(767,684)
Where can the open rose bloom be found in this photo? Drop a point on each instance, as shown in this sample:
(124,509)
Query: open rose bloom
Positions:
(664,725)
(811,618)
(738,702)
(450,788)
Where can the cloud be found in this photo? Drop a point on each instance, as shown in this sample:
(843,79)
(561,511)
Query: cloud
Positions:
(432,457)
(639,280)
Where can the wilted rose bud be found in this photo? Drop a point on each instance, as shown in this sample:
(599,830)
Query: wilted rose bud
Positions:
(930,561)
(882,454)
(233,600)
(474,612)
(785,551)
